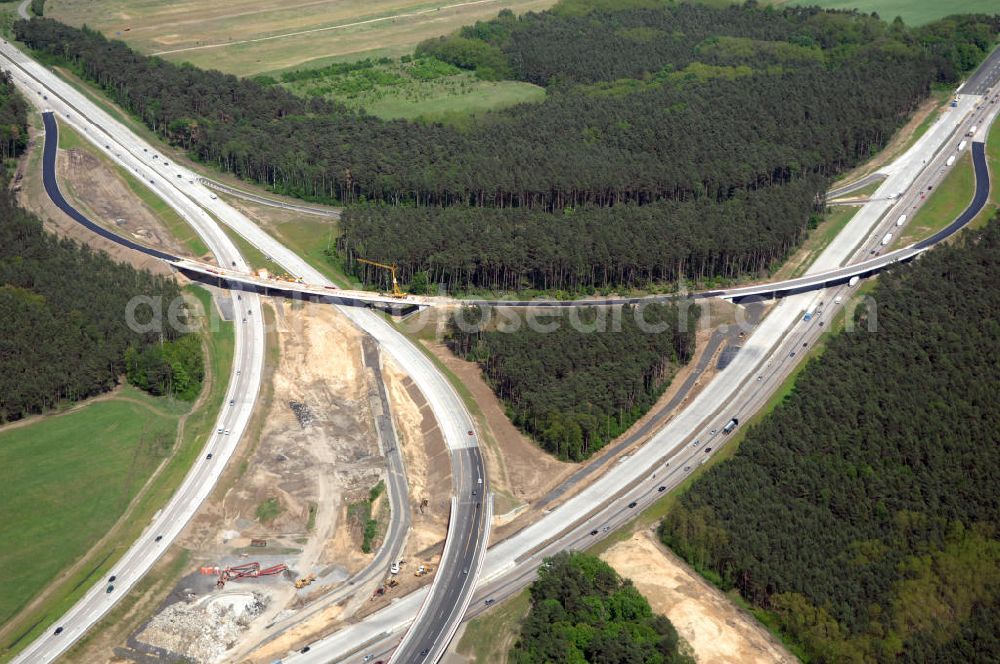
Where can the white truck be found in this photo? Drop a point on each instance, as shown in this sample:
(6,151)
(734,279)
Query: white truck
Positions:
(951,160)
(901,220)
(961,146)
(972,131)
(887,239)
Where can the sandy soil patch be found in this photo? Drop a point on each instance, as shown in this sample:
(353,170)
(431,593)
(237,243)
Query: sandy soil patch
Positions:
(428,466)
(716,629)
(316,452)
(106,197)
(516,465)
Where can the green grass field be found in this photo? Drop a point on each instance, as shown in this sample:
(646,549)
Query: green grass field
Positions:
(90,521)
(487,637)
(68,478)
(309,239)
(993,162)
(425,88)
(944,204)
(914,12)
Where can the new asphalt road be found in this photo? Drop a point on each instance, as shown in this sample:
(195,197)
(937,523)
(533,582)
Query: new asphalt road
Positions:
(244,385)
(771,351)
(198,205)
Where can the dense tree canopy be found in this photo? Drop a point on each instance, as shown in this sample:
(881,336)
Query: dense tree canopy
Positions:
(662,123)
(575,381)
(582,611)
(63,329)
(864,511)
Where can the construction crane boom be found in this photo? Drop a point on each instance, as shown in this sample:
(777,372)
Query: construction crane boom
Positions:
(396,290)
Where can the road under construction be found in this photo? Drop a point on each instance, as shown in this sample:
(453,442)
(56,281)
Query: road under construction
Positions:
(601,505)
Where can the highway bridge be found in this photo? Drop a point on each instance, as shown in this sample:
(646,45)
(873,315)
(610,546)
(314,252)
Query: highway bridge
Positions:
(734,391)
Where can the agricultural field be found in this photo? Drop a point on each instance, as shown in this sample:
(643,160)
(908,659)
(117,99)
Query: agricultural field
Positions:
(423,88)
(105,450)
(258,36)
(913,12)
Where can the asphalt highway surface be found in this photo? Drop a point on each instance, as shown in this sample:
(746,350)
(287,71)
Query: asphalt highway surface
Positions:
(773,348)
(181,190)
(244,385)
(737,391)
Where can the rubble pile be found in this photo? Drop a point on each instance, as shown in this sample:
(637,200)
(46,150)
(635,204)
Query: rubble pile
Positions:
(203,631)
(302,413)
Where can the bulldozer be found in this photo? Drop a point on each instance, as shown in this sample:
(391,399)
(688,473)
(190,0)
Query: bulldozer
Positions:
(304,581)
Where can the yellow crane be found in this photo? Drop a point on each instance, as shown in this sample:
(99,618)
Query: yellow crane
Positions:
(396,290)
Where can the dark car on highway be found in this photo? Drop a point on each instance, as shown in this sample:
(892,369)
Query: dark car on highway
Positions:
(632,504)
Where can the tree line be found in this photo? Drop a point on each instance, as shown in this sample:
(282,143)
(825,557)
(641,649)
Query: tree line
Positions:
(63,330)
(583,611)
(580,379)
(13,119)
(170,368)
(863,513)
(671,108)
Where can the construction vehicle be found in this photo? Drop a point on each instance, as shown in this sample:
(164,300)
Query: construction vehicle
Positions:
(422,570)
(396,290)
(305,581)
(381,590)
(240,572)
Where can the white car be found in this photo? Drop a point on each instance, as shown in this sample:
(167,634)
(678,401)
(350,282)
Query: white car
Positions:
(227,432)
(394,568)
(220,429)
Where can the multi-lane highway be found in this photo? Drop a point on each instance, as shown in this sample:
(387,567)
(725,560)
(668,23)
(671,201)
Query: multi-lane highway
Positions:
(736,391)
(244,385)
(739,390)
(181,189)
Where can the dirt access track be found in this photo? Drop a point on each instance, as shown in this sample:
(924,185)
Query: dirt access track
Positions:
(717,631)
(309,453)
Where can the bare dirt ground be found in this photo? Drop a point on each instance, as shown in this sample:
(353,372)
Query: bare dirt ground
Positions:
(519,470)
(716,629)
(428,471)
(99,192)
(428,474)
(317,451)
(107,200)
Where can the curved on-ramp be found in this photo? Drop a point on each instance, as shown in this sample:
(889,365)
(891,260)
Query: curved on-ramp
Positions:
(199,481)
